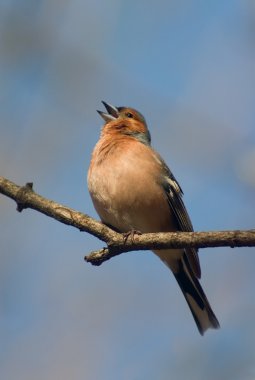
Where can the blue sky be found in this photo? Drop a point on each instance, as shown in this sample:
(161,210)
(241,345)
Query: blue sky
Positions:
(189,68)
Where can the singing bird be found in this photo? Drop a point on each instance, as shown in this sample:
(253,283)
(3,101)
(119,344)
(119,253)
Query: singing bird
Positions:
(133,189)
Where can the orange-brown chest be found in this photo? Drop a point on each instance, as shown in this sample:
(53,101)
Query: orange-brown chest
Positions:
(124,184)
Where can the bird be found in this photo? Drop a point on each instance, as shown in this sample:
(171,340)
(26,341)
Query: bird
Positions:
(134,191)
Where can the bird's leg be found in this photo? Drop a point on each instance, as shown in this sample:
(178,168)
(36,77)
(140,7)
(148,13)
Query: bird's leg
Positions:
(131,234)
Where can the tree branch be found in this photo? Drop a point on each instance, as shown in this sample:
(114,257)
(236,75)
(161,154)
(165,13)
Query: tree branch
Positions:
(25,197)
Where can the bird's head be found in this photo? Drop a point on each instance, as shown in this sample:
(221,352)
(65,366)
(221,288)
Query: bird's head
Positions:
(125,121)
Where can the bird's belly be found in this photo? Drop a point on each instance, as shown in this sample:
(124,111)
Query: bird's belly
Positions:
(129,201)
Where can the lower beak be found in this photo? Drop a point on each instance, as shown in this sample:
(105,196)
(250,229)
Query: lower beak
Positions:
(112,114)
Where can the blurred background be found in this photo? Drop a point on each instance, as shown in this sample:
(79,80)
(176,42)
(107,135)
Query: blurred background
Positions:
(188,67)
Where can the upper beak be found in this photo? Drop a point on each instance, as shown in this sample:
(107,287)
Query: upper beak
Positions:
(112,114)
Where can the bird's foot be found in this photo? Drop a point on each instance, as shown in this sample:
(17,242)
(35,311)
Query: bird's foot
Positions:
(131,234)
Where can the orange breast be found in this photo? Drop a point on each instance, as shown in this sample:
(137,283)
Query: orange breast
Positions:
(125,185)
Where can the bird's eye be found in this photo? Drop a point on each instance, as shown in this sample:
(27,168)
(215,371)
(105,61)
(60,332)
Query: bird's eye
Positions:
(130,115)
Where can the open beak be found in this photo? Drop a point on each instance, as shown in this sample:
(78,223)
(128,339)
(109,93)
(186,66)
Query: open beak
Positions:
(112,114)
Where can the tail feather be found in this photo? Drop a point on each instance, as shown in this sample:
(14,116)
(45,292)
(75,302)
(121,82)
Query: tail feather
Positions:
(195,297)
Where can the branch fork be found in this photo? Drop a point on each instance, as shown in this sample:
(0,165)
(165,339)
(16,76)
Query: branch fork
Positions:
(117,243)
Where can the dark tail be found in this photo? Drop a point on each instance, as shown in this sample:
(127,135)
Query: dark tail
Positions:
(195,297)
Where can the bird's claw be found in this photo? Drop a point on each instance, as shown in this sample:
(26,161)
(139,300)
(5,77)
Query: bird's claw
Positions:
(131,234)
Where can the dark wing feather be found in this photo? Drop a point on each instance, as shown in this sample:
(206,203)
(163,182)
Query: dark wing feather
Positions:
(174,195)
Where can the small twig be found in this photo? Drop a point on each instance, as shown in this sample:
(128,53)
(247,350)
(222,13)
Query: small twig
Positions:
(25,197)
(22,194)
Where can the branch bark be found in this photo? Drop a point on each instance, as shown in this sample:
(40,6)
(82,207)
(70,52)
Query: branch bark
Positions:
(25,197)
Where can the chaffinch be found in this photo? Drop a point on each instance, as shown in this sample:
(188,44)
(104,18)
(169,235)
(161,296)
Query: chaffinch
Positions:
(132,189)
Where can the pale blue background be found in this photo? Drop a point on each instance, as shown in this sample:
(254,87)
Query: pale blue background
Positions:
(189,67)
